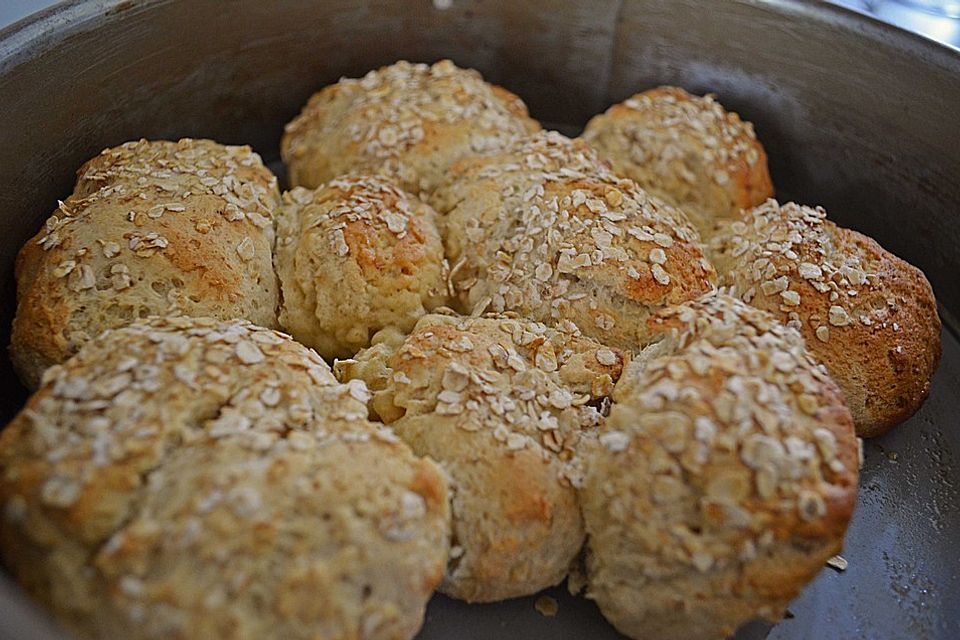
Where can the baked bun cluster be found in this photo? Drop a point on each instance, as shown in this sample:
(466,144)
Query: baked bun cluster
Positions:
(194,478)
(409,121)
(723,479)
(687,150)
(547,231)
(151,228)
(502,403)
(356,256)
(185,471)
(867,315)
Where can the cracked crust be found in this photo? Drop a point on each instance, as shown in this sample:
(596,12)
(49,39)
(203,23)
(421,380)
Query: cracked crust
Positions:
(152,228)
(501,403)
(195,478)
(867,315)
(723,479)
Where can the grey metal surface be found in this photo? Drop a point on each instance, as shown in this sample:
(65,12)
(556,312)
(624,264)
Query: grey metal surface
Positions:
(855,115)
(912,15)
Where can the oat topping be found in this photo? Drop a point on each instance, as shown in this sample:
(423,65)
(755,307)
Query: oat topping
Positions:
(369,201)
(248,352)
(726,138)
(60,492)
(606,357)
(173,172)
(529,385)
(615,440)
(561,226)
(789,251)
(730,384)
(376,122)
(246,249)
(129,242)
(134,389)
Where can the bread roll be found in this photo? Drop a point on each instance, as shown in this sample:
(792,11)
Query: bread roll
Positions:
(545,230)
(152,228)
(687,150)
(723,479)
(354,257)
(409,121)
(501,404)
(867,315)
(190,478)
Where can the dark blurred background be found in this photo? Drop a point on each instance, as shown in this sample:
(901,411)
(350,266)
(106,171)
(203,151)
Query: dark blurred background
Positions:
(936,19)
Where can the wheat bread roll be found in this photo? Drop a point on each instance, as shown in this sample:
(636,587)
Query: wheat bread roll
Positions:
(723,479)
(867,315)
(408,121)
(501,404)
(152,228)
(687,150)
(194,478)
(354,257)
(546,231)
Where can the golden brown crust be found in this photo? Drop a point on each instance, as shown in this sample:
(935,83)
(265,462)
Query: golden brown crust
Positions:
(870,317)
(198,478)
(409,121)
(152,228)
(501,404)
(723,479)
(687,150)
(545,230)
(354,257)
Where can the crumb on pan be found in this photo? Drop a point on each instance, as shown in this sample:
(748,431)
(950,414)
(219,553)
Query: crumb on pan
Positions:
(547,606)
(838,562)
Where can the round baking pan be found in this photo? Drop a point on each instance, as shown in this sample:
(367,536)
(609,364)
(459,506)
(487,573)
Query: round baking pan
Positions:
(856,115)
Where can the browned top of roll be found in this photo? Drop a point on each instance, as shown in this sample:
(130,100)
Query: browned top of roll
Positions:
(545,230)
(686,149)
(152,228)
(410,121)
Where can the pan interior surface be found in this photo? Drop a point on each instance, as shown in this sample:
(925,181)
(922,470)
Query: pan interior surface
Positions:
(855,115)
